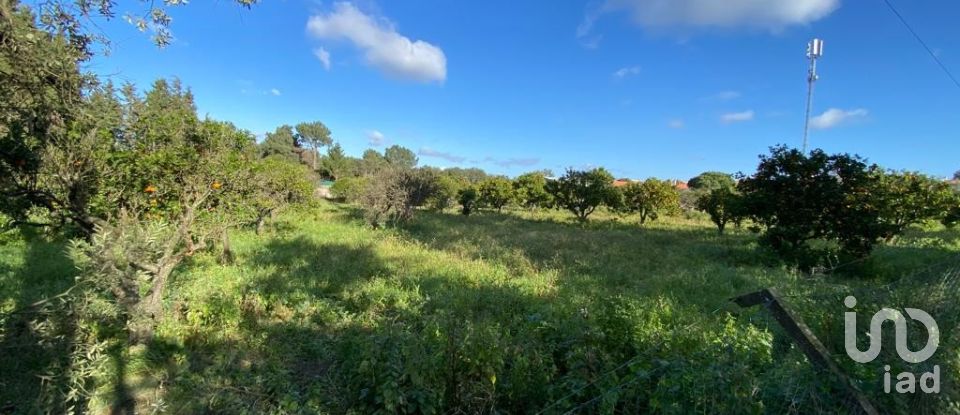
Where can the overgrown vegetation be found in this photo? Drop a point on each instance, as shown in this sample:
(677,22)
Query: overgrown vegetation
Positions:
(138,271)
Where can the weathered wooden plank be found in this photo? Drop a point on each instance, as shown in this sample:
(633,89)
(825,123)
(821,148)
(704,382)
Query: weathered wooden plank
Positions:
(804,338)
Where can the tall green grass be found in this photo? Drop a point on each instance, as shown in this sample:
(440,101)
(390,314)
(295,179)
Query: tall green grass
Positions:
(518,312)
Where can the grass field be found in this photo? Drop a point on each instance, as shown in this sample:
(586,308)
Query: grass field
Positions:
(520,312)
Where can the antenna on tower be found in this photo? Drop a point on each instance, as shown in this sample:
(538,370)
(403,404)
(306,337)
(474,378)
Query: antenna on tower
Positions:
(814,51)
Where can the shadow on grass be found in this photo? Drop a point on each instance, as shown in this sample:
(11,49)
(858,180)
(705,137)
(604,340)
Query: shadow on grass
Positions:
(26,353)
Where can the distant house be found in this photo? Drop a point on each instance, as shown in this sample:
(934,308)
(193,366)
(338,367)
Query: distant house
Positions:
(621,182)
(680,185)
(955,184)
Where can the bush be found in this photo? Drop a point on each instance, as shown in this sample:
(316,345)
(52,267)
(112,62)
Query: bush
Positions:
(447,188)
(349,188)
(467,198)
(391,195)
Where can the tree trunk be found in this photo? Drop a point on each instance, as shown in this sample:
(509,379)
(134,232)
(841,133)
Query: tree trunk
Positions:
(226,257)
(260,220)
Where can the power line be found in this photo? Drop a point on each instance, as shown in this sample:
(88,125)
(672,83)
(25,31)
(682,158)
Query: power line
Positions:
(922,43)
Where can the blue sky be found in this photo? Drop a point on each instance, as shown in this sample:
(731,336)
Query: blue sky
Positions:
(642,87)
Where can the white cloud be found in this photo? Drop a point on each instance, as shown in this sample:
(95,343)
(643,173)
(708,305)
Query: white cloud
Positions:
(626,71)
(323,56)
(376,138)
(676,124)
(383,47)
(737,116)
(429,152)
(835,116)
(771,15)
(275,92)
(722,96)
(517,162)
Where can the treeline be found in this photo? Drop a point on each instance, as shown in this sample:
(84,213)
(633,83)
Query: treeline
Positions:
(793,199)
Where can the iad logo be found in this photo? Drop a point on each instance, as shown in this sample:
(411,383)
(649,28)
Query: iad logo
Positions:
(906,381)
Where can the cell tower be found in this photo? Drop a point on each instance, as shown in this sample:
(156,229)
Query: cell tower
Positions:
(814,51)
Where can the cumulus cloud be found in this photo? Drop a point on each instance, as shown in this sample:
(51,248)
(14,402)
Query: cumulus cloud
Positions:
(323,56)
(733,117)
(376,138)
(275,92)
(383,47)
(626,71)
(429,152)
(675,124)
(835,116)
(771,15)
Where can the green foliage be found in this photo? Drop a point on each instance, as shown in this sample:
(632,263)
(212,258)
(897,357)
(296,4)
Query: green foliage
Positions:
(471,175)
(350,188)
(447,188)
(43,111)
(798,198)
(651,198)
(391,195)
(315,134)
(337,164)
(496,192)
(282,142)
(72,17)
(723,205)
(581,192)
(951,216)
(531,190)
(400,157)
(371,162)
(711,180)
(467,198)
(277,183)
(908,198)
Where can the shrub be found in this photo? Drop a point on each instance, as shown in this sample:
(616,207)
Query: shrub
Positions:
(349,188)
(467,198)
(447,188)
(391,195)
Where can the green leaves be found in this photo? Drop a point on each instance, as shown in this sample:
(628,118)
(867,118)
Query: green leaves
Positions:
(651,198)
(581,192)
(496,192)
